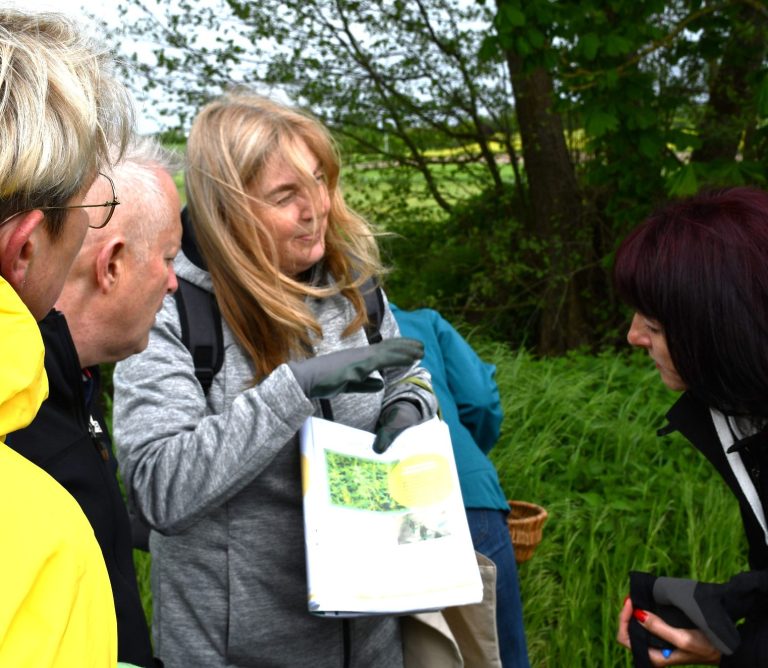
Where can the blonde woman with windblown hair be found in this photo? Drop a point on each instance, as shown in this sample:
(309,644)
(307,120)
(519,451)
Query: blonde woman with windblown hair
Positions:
(217,476)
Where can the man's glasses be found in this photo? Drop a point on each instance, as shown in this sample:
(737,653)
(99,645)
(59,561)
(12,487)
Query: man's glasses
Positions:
(110,205)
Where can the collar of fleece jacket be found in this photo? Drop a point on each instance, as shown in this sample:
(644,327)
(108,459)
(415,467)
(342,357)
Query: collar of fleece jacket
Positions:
(23,383)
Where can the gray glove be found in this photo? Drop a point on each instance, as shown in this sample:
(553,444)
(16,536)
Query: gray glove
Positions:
(394,420)
(349,370)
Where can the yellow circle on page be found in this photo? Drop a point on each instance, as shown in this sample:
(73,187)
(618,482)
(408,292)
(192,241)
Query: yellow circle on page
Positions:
(420,480)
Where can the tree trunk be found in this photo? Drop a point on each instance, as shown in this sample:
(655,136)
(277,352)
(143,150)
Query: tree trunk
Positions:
(556,207)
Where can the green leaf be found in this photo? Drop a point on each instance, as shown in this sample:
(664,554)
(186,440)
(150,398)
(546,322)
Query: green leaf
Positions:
(523,46)
(536,38)
(593,499)
(616,46)
(623,504)
(511,16)
(649,145)
(598,122)
(726,172)
(489,49)
(610,79)
(589,44)
(753,172)
(643,117)
(683,182)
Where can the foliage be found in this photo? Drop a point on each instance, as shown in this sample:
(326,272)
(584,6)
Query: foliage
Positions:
(475,265)
(356,482)
(590,112)
(647,83)
(347,62)
(579,438)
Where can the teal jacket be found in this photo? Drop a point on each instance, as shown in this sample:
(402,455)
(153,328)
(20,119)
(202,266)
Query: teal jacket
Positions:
(469,401)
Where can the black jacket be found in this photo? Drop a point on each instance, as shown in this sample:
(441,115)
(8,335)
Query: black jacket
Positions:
(69,440)
(693,420)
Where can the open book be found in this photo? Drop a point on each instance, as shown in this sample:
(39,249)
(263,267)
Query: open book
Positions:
(384,533)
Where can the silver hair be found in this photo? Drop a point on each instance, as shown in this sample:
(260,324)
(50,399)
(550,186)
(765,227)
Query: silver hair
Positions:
(140,191)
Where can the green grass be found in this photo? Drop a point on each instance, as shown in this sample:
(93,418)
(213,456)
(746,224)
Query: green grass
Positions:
(579,438)
(142,562)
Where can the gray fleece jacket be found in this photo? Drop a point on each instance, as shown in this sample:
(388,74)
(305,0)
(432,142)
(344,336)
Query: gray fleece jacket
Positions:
(219,481)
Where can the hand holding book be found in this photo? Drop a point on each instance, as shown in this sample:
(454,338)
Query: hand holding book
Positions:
(395,419)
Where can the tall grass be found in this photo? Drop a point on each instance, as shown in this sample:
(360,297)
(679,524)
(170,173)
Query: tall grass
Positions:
(579,437)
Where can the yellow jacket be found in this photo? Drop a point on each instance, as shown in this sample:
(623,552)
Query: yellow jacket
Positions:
(56,606)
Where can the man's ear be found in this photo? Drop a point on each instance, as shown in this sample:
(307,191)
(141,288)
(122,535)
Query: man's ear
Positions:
(18,244)
(110,263)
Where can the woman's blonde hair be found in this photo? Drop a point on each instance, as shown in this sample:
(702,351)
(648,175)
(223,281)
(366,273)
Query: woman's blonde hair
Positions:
(61,109)
(230,143)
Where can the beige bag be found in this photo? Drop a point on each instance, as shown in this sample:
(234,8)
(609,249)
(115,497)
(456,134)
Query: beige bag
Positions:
(460,637)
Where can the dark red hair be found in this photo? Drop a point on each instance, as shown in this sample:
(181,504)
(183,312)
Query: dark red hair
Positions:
(700,267)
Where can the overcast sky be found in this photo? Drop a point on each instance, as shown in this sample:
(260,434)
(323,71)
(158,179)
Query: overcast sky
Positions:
(80,9)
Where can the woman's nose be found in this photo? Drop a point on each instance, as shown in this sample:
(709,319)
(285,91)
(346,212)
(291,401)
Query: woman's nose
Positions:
(638,333)
(315,204)
(305,208)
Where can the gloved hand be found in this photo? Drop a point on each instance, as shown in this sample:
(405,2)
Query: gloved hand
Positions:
(395,419)
(326,376)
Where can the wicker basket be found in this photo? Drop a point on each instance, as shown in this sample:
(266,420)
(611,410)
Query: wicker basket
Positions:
(526,521)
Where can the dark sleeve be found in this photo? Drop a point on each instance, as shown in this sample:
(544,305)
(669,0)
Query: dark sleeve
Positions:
(746,596)
(753,649)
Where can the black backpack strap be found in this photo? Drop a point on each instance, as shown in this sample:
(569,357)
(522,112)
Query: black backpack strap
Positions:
(189,241)
(204,340)
(374,306)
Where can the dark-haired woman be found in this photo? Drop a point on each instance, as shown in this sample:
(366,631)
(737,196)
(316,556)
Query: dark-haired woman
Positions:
(696,275)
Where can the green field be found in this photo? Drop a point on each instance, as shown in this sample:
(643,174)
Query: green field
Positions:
(579,438)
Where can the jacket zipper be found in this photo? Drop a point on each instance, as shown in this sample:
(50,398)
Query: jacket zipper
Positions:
(94,429)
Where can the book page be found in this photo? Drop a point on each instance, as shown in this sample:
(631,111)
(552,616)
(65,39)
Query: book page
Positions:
(385,533)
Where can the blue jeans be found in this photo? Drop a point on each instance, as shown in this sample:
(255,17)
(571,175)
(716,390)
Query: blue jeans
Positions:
(490,537)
